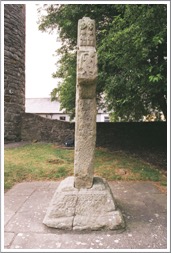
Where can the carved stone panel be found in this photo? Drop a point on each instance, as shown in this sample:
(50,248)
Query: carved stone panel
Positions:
(86,32)
(87,65)
(90,209)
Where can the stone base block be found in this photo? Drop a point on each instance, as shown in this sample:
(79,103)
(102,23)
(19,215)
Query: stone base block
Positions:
(80,209)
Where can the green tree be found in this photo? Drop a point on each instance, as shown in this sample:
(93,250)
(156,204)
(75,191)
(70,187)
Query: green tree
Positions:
(66,88)
(131,46)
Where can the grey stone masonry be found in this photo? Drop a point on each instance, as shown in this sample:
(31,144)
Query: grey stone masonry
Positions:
(83,209)
(85,124)
(14,70)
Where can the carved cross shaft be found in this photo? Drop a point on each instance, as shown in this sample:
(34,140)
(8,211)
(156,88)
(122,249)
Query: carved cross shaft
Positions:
(85,124)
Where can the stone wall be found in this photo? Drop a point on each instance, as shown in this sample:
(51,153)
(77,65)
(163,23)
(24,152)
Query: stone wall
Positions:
(14,70)
(115,135)
(132,135)
(37,128)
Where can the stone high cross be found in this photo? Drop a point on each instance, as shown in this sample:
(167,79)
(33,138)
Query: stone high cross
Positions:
(83,202)
(85,125)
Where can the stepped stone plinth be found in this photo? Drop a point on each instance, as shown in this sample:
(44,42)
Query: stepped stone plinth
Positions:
(84,209)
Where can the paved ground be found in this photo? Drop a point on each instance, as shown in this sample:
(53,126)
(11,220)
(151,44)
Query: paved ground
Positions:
(143,206)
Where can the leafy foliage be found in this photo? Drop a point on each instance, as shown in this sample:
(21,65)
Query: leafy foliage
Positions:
(66,90)
(132,55)
(136,80)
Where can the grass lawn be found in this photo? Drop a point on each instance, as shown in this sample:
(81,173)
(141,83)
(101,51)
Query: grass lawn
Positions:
(40,161)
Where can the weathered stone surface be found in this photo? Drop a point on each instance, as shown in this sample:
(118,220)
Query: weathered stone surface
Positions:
(87,67)
(86,32)
(85,126)
(62,207)
(89,209)
(35,127)
(112,220)
(14,70)
(85,140)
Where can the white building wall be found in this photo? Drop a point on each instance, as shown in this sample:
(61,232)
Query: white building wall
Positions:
(51,110)
(102,117)
(59,117)
(55,116)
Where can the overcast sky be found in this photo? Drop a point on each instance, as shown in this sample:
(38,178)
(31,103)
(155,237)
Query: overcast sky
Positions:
(40,62)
